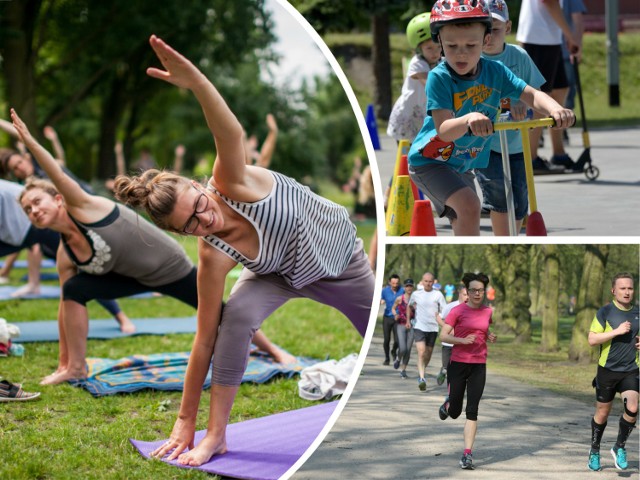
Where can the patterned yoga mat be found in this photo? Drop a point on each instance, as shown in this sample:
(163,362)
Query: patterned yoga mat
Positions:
(166,371)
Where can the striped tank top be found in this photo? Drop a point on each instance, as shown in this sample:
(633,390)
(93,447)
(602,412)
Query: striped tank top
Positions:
(302,236)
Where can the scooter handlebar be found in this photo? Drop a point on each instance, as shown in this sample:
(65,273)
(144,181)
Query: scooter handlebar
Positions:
(541,122)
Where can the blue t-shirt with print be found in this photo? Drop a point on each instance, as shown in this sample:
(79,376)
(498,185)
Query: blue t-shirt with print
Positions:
(446,90)
(519,62)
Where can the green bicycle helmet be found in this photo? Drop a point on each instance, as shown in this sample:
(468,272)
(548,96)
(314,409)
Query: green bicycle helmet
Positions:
(418,30)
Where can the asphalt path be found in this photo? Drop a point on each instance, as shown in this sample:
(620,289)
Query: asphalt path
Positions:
(570,204)
(390,430)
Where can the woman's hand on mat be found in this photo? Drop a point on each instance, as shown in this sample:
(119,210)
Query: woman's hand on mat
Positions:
(181,438)
(178,71)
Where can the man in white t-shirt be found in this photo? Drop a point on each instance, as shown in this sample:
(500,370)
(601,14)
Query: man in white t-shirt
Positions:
(428,304)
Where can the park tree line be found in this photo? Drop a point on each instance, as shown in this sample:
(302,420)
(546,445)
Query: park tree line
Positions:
(529,281)
(380,18)
(80,66)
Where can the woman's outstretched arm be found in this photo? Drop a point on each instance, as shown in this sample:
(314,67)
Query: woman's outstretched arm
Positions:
(226,130)
(68,187)
(82,205)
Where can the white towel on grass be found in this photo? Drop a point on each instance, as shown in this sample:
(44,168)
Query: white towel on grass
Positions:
(326,379)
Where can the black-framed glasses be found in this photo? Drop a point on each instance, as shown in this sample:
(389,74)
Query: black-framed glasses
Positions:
(200,206)
(473,291)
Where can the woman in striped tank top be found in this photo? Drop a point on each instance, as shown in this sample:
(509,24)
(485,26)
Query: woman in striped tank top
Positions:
(292,242)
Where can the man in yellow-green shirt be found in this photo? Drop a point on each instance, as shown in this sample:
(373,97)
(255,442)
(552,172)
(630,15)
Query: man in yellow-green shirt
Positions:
(615,329)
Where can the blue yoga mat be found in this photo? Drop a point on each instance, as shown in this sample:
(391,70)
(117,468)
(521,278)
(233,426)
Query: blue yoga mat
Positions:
(47,330)
(46,291)
(261,448)
(43,276)
(46,263)
(166,371)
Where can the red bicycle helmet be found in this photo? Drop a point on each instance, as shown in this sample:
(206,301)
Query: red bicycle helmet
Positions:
(449,12)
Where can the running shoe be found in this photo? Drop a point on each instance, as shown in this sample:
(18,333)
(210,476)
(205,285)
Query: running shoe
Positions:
(396,363)
(563,160)
(442,411)
(594,461)
(442,376)
(620,458)
(542,166)
(403,374)
(386,362)
(422,384)
(466,462)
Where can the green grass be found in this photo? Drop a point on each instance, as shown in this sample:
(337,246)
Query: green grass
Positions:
(69,434)
(550,370)
(593,73)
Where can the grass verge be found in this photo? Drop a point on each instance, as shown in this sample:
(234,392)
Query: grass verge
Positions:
(69,434)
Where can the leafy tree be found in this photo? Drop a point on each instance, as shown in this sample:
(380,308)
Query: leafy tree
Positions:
(549,341)
(89,59)
(588,302)
(373,15)
(509,266)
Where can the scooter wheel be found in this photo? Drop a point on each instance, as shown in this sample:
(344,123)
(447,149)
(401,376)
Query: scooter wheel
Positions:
(592,173)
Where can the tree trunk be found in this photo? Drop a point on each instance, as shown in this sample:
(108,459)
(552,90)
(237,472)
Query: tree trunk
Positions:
(18,59)
(589,300)
(551,288)
(381,58)
(496,266)
(517,300)
(536,281)
(510,277)
(112,110)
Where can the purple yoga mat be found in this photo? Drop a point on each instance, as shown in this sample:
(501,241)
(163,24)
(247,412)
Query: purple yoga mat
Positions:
(261,448)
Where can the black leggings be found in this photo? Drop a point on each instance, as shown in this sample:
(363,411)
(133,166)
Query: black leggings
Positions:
(389,329)
(469,376)
(49,241)
(84,287)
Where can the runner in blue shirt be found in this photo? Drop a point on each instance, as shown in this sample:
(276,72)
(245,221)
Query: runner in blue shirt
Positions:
(389,294)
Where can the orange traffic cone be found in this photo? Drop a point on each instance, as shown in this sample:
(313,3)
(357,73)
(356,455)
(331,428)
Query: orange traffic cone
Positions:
(422,224)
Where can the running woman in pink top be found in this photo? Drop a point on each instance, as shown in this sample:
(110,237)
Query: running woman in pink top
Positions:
(467,369)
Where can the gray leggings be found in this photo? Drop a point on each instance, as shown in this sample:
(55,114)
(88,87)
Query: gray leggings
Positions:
(255,297)
(405,342)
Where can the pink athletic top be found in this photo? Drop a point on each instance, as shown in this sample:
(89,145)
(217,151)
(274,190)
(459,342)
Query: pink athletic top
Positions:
(467,321)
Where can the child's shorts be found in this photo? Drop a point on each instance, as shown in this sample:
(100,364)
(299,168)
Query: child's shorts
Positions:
(491,180)
(439,182)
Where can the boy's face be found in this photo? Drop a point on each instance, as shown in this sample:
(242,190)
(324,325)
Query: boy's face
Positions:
(430,51)
(462,45)
(499,31)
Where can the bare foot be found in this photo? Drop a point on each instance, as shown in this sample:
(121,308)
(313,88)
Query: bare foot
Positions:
(126,325)
(58,377)
(57,371)
(27,289)
(202,453)
(283,357)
